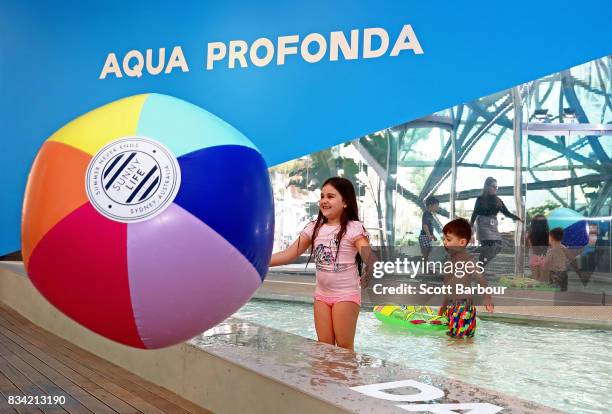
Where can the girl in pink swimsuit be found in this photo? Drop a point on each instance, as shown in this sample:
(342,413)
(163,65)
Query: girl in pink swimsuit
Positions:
(338,241)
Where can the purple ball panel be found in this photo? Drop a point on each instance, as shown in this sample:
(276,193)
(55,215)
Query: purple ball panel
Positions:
(184,277)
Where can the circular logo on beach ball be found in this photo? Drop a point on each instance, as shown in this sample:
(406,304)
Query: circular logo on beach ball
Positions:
(132,179)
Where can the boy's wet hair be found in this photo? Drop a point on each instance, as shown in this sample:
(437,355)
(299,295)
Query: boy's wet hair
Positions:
(459,227)
(556,234)
(431,201)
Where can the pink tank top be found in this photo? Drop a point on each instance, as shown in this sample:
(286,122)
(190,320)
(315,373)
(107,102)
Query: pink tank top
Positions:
(337,273)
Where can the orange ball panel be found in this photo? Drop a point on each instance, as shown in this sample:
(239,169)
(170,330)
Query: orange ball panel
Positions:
(56,188)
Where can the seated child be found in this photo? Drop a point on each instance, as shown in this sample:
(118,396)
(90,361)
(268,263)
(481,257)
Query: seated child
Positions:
(459,307)
(556,259)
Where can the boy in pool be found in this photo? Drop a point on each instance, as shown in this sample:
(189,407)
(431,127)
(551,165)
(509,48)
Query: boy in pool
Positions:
(459,307)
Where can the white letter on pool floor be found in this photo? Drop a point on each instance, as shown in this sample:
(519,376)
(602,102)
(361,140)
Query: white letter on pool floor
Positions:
(426,392)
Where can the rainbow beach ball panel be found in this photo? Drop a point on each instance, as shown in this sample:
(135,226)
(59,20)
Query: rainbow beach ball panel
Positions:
(148,220)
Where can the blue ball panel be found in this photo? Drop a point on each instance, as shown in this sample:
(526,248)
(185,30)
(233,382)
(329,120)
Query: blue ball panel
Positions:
(576,235)
(228,188)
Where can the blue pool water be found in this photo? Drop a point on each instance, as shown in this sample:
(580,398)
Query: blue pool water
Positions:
(569,369)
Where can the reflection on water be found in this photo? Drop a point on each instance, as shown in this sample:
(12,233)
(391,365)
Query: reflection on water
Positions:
(569,369)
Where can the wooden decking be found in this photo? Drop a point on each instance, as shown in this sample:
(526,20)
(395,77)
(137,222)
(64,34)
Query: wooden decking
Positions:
(34,362)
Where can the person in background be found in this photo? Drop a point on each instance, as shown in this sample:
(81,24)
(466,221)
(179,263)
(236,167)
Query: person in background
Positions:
(488,206)
(427,234)
(557,258)
(537,241)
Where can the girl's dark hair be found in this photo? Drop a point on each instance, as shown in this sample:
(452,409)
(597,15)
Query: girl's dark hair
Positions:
(350,213)
(538,231)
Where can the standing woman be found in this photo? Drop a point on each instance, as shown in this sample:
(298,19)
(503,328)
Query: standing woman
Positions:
(488,206)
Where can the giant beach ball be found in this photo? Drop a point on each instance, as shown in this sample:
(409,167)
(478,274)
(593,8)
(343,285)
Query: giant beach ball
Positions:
(148,220)
(575,226)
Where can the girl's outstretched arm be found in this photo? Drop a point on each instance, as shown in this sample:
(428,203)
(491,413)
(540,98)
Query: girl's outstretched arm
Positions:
(290,254)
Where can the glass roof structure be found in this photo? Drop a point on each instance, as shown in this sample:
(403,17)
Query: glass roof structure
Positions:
(548,143)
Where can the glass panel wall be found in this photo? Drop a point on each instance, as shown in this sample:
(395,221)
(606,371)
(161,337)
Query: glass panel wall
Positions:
(565,140)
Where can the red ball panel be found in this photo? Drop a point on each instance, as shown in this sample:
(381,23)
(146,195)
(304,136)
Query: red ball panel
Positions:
(80,266)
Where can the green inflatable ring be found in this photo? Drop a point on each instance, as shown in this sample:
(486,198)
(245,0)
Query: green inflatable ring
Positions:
(412,318)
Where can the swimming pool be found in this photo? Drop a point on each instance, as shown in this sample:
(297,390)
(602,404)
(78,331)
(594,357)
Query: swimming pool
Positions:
(569,369)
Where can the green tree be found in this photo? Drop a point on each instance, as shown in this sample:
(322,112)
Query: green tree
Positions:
(544,209)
